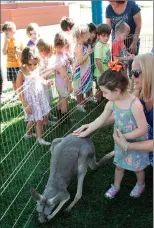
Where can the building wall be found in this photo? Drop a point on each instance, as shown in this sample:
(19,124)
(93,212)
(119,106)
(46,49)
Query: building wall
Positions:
(22,14)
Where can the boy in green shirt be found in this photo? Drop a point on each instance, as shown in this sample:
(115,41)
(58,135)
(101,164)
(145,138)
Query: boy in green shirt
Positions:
(102,55)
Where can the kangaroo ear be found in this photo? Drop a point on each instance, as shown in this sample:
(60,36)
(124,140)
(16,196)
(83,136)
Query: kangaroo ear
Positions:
(36,196)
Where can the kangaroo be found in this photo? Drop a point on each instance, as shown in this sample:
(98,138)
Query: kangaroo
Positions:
(70,156)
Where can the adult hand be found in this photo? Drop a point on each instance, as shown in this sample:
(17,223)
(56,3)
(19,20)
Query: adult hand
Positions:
(133,48)
(79,132)
(119,138)
(89,51)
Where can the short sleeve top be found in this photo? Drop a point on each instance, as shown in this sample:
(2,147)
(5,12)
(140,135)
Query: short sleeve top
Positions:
(131,10)
(119,49)
(13,58)
(102,52)
(62,60)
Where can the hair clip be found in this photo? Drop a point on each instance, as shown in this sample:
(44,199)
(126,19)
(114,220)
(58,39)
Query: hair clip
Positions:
(115,66)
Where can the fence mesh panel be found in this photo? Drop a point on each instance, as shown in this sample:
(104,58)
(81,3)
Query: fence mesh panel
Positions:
(25,164)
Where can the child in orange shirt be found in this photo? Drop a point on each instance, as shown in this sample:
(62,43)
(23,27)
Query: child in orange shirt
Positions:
(12,48)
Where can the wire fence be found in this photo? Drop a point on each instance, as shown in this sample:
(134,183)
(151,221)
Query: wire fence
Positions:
(24,164)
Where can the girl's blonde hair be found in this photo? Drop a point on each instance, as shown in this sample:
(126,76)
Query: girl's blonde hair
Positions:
(44,45)
(146,64)
(79,30)
(31,27)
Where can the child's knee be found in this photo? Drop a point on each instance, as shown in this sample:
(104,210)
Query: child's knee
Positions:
(45,120)
(119,169)
(139,172)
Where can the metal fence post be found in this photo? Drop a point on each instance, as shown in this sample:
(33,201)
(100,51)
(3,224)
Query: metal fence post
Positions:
(97,7)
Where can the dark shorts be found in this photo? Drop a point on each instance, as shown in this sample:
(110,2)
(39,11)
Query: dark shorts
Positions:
(12,73)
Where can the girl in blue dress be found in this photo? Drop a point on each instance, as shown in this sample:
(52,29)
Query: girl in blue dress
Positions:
(130,119)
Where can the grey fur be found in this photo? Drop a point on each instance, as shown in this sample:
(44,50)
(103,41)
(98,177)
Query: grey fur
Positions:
(70,156)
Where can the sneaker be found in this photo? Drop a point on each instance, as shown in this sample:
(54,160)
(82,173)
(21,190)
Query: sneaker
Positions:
(81,108)
(43,142)
(137,190)
(110,194)
(26,136)
(92,99)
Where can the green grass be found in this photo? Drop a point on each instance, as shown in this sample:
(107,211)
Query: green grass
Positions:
(93,210)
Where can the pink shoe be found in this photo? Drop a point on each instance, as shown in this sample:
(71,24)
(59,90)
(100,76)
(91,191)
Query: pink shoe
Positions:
(137,190)
(112,192)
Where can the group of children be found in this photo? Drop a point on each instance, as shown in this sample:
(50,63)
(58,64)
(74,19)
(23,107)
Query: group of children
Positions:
(80,55)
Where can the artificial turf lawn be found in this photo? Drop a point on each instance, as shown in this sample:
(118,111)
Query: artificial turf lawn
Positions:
(93,210)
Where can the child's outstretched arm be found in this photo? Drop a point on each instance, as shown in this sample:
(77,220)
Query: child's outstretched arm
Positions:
(142,126)
(45,74)
(96,123)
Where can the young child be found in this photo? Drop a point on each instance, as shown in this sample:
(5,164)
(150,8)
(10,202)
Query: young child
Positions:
(66,24)
(102,55)
(82,78)
(12,49)
(130,119)
(45,69)
(31,94)
(119,50)
(33,33)
(92,42)
(63,78)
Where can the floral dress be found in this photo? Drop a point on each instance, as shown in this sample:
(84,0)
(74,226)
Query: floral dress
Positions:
(34,95)
(130,160)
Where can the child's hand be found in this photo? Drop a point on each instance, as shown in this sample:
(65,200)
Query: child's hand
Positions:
(119,138)
(69,87)
(89,50)
(66,78)
(129,57)
(50,82)
(80,131)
